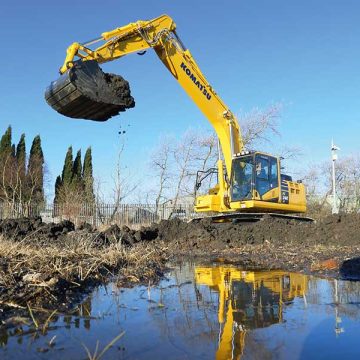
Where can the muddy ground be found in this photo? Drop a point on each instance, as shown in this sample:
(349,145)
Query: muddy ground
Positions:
(47,266)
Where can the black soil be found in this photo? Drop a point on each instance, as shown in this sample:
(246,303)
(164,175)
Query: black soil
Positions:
(339,230)
(86,92)
(330,246)
(339,233)
(336,230)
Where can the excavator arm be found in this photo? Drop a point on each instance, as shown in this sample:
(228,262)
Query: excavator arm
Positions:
(160,35)
(247,182)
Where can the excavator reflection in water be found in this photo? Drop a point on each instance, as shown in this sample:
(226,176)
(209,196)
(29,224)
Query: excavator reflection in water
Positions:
(248,300)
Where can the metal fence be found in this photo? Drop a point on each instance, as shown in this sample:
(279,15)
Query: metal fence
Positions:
(98,214)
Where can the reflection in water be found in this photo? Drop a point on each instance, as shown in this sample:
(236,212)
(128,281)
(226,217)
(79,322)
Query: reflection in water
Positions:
(81,314)
(248,300)
(220,312)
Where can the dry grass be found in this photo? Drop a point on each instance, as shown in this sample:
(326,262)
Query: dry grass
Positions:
(36,267)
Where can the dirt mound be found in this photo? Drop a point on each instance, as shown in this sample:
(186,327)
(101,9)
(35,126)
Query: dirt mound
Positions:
(34,230)
(334,230)
(126,236)
(18,229)
(337,230)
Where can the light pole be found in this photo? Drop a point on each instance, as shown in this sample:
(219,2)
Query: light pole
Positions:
(334,148)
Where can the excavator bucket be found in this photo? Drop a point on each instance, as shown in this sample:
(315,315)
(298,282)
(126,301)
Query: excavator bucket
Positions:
(86,92)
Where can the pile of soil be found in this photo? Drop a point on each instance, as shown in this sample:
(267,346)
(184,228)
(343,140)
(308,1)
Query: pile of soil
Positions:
(330,246)
(127,236)
(334,230)
(86,92)
(33,230)
(19,229)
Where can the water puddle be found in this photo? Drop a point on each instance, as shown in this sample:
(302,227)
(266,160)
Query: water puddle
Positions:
(201,312)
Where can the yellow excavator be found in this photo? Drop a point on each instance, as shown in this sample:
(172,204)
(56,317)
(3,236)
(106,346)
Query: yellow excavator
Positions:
(248,300)
(249,183)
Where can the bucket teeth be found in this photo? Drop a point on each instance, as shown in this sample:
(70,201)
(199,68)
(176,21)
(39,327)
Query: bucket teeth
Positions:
(86,92)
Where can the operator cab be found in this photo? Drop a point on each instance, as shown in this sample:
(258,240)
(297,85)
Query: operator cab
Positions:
(255,185)
(255,176)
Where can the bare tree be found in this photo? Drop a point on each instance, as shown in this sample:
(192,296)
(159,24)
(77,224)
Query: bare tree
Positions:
(318,181)
(19,190)
(175,167)
(260,126)
(161,170)
(197,151)
(123,187)
(183,156)
(205,155)
(347,182)
(123,184)
(70,202)
(317,191)
(290,152)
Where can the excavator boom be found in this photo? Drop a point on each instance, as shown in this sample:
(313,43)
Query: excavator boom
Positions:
(247,181)
(84,91)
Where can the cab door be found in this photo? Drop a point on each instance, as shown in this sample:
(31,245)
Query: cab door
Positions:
(266,178)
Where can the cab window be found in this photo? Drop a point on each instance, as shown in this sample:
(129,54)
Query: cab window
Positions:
(274,180)
(262,174)
(241,180)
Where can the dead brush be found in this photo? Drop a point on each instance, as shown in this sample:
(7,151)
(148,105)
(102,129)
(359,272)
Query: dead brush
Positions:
(76,259)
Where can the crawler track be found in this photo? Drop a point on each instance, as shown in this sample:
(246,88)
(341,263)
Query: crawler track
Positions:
(252,217)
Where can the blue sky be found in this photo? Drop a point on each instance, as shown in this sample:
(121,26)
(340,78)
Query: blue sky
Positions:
(254,52)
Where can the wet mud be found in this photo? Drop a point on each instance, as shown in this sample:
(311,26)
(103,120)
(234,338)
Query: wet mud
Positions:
(330,247)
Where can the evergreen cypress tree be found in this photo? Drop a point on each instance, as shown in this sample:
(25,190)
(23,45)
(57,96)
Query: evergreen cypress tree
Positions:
(13,151)
(5,145)
(77,171)
(6,165)
(58,187)
(35,173)
(88,178)
(21,159)
(67,173)
(36,150)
